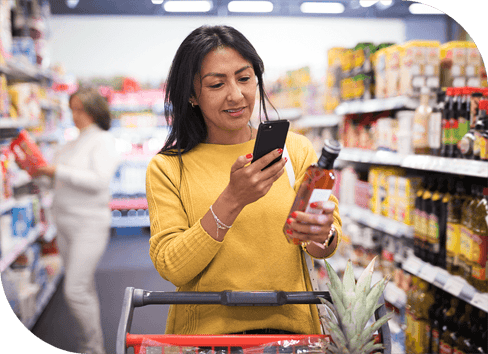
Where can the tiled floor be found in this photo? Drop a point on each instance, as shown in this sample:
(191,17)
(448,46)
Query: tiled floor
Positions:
(125,263)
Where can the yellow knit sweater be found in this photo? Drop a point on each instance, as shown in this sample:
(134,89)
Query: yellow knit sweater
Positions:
(254,255)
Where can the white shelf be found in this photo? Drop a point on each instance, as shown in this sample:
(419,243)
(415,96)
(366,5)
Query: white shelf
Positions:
(375,221)
(420,162)
(44,298)
(318,121)
(128,221)
(7,205)
(376,105)
(442,279)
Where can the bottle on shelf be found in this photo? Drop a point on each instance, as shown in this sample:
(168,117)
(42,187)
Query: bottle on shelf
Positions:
(453,150)
(476,96)
(424,300)
(421,123)
(451,317)
(435,125)
(410,314)
(437,225)
(473,249)
(425,214)
(460,325)
(453,229)
(437,321)
(479,243)
(465,236)
(417,222)
(479,129)
(446,129)
(464,104)
(465,331)
(318,182)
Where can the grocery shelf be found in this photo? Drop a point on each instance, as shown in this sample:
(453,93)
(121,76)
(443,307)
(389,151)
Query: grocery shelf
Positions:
(131,221)
(23,70)
(376,105)
(453,284)
(420,162)
(43,299)
(7,205)
(128,203)
(20,247)
(17,123)
(375,221)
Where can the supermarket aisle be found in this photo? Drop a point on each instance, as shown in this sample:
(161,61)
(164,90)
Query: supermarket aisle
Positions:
(125,263)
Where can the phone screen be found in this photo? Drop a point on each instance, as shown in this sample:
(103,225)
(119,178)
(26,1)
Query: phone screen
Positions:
(271,135)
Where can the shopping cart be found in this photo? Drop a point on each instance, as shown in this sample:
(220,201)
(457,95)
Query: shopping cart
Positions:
(230,344)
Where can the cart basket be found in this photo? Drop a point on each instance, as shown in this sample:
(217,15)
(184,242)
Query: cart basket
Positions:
(222,343)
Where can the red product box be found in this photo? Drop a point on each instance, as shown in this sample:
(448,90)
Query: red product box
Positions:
(27,153)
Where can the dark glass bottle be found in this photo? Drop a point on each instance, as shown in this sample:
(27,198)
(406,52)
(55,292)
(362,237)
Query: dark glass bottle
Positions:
(453,231)
(317,184)
(446,129)
(454,124)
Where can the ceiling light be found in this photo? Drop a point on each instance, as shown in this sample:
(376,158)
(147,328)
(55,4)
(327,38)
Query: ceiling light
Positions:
(386,2)
(188,6)
(157,2)
(421,9)
(367,3)
(72,3)
(310,7)
(250,6)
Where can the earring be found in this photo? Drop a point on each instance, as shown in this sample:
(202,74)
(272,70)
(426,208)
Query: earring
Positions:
(192,105)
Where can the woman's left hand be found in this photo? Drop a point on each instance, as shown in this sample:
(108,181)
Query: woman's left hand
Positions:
(49,170)
(312,226)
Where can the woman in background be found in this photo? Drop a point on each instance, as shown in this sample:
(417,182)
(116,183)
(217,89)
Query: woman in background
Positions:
(82,172)
(217,220)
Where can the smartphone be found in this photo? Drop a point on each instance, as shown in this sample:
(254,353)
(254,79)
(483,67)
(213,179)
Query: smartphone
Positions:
(271,135)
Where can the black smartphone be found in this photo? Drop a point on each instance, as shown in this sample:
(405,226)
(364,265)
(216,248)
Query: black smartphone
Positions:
(271,135)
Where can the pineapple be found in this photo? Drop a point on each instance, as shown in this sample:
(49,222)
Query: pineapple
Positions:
(354,304)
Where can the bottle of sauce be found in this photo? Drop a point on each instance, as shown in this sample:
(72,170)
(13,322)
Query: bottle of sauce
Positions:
(451,318)
(438,321)
(479,129)
(435,125)
(462,326)
(446,129)
(426,211)
(453,230)
(465,237)
(317,184)
(410,314)
(421,123)
(464,103)
(454,124)
(417,220)
(479,235)
(437,225)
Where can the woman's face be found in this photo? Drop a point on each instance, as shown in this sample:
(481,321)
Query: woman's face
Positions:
(81,119)
(225,90)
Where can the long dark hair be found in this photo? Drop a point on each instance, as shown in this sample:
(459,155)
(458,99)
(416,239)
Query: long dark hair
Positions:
(95,105)
(188,127)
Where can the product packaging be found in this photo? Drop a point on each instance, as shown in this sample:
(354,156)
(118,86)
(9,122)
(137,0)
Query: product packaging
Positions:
(26,152)
(393,55)
(453,64)
(24,48)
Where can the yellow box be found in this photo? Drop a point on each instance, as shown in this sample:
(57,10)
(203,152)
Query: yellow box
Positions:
(453,63)
(380,73)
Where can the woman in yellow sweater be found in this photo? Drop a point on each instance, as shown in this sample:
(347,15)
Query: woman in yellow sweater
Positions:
(217,220)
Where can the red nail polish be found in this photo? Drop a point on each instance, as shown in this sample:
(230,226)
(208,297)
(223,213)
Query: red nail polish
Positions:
(294,215)
(289,221)
(280,151)
(314,205)
(286,159)
(289,232)
(248,156)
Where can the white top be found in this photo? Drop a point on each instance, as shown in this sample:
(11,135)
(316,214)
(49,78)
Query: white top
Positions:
(84,170)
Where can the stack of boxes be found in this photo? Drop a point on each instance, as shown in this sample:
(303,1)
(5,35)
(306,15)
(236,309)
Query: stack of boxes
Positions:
(461,65)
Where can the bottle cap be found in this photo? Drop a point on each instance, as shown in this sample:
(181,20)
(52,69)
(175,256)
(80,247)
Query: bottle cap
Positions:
(450,91)
(333,146)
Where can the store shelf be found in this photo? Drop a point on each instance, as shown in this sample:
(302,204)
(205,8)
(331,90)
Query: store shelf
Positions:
(18,123)
(44,298)
(318,121)
(20,247)
(376,105)
(23,70)
(420,162)
(7,205)
(128,203)
(442,279)
(375,221)
(131,221)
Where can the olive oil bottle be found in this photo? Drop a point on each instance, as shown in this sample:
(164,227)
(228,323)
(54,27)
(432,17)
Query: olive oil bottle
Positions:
(479,236)
(453,230)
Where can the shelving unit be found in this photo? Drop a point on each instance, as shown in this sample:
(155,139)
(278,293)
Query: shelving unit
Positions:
(376,105)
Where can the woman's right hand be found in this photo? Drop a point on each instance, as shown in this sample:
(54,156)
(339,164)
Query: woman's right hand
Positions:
(249,182)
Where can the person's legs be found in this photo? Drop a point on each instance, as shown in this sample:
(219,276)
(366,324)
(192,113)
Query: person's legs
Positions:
(84,247)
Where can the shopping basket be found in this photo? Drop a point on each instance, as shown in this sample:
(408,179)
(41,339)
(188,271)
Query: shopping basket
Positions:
(230,344)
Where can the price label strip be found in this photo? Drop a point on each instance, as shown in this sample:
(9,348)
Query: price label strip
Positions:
(467,293)
(454,285)
(413,265)
(480,300)
(441,279)
(428,273)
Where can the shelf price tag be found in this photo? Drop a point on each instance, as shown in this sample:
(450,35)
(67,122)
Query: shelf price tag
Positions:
(454,285)
(428,273)
(467,293)
(413,265)
(480,300)
(441,279)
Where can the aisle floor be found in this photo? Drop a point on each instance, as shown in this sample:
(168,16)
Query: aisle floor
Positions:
(125,263)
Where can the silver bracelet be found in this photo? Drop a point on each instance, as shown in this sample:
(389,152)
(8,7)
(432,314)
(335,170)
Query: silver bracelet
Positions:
(220,224)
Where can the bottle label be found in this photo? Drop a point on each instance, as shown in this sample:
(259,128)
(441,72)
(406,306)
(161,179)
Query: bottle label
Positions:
(478,254)
(435,130)
(454,127)
(318,195)
(435,340)
(445,348)
(463,127)
(423,225)
(484,148)
(446,132)
(457,351)
(465,242)
(433,229)
(453,235)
